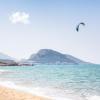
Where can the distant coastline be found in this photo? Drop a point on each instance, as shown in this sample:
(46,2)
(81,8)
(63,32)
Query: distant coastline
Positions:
(43,56)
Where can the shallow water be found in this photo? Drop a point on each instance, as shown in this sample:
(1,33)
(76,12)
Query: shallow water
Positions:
(76,82)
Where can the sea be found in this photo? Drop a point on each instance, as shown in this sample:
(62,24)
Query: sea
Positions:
(57,82)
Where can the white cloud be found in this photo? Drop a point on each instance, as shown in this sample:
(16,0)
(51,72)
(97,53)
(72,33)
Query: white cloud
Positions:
(19,17)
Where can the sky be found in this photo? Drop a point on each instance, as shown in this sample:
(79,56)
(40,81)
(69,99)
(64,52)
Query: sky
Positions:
(29,25)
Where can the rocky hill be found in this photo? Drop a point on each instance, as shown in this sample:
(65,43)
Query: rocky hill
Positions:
(48,56)
(6,60)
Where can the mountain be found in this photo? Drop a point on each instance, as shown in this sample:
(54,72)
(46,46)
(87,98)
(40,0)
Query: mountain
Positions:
(6,60)
(5,57)
(48,56)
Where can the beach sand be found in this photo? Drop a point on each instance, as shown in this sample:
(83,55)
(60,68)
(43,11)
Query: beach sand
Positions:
(12,94)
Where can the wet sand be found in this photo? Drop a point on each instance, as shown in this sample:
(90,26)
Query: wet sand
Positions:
(12,94)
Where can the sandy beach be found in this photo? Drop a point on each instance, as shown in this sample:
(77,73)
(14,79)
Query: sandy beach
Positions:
(12,94)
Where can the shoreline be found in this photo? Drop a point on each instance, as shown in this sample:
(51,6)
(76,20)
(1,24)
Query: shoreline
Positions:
(16,92)
(7,93)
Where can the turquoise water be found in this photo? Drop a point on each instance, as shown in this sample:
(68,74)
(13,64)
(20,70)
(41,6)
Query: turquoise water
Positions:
(76,82)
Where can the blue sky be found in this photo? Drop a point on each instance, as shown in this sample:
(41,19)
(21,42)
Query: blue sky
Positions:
(51,25)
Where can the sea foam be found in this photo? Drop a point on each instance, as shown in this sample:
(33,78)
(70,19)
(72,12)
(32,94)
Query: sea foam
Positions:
(35,91)
(95,97)
(8,84)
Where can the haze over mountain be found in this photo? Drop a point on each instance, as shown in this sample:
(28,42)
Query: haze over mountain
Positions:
(5,57)
(48,56)
(43,56)
(6,60)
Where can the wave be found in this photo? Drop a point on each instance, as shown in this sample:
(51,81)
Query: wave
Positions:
(8,84)
(2,70)
(95,97)
(53,94)
(34,90)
